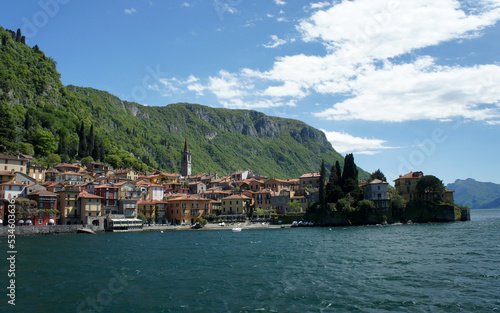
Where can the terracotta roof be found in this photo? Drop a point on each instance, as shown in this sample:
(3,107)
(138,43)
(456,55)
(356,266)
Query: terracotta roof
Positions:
(237,197)
(104,186)
(150,202)
(86,194)
(12,183)
(310,175)
(410,175)
(43,193)
(9,157)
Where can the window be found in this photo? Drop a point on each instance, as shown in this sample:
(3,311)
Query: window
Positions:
(40,222)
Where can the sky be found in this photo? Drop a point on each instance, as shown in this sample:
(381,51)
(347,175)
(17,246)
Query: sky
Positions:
(404,85)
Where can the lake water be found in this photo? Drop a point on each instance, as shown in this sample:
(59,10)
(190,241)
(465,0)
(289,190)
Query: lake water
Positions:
(451,267)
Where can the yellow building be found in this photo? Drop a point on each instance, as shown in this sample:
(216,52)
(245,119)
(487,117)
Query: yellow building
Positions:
(13,164)
(149,208)
(236,205)
(406,185)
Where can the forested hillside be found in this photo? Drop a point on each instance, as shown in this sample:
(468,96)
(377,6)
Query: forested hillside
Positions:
(54,122)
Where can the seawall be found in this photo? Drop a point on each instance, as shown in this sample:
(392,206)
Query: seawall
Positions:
(41,230)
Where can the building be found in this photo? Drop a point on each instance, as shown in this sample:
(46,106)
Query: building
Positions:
(376,191)
(47,207)
(65,167)
(69,207)
(70,178)
(91,209)
(128,173)
(235,206)
(309,180)
(151,209)
(11,190)
(109,198)
(277,185)
(196,188)
(37,172)
(182,209)
(262,199)
(186,161)
(406,185)
(6,176)
(13,164)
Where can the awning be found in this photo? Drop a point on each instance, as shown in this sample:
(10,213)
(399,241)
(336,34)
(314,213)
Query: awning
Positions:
(29,222)
(51,221)
(20,222)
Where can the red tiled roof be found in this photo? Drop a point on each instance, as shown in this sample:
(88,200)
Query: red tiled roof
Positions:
(237,197)
(410,175)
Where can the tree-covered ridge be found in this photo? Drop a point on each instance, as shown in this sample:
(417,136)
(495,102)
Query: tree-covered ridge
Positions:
(52,121)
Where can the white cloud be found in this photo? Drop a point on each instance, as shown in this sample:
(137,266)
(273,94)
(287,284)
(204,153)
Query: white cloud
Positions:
(279,2)
(346,143)
(319,5)
(362,37)
(186,4)
(421,90)
(130,11)
(275,42)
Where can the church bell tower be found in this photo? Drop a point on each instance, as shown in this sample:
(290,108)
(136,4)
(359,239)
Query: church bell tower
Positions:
(186,161)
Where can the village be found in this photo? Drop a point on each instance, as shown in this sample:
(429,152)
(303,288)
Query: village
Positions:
(101,198)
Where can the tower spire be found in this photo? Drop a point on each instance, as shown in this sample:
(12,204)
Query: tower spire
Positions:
(186,145)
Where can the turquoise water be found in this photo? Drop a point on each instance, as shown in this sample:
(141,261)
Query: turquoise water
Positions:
(409,268)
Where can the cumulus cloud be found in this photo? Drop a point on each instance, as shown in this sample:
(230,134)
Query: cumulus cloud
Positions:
(346,143)
(362,39)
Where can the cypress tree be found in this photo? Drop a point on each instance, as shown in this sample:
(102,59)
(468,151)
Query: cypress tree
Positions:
(91,141)
(102,152)
(82,146)
(18,35)
(322,193)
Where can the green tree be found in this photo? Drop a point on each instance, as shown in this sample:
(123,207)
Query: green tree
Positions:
(322,192)
(294,206)
(82,146)
(378,175)
(26,148)
(333,190)
(86,160)
(44,141)
(431,187)
(53,159)
(8,133)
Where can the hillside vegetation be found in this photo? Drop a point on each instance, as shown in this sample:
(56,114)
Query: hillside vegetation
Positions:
(45,118)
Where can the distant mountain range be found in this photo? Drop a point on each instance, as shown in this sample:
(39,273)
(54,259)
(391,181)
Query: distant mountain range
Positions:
(44,117)
(476,195)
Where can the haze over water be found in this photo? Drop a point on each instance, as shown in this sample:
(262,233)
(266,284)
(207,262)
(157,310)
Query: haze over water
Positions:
(409,268)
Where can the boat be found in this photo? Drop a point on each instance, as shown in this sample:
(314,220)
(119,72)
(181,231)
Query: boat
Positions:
(295,224)
(85,231)
(236,229)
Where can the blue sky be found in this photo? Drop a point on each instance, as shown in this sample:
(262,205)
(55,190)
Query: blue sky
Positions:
(403,84)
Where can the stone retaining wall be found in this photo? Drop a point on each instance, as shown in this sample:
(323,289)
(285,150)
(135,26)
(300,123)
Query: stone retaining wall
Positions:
(41,230)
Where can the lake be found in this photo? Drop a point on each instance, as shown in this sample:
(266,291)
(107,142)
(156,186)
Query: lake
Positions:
(451,267)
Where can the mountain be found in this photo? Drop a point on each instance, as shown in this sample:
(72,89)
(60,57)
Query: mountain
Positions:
(476,195)
(50,120)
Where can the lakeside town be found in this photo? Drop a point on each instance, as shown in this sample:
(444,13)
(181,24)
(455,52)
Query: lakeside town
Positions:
(101,198)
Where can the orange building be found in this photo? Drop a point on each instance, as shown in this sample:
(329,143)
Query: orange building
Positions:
(182,209)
